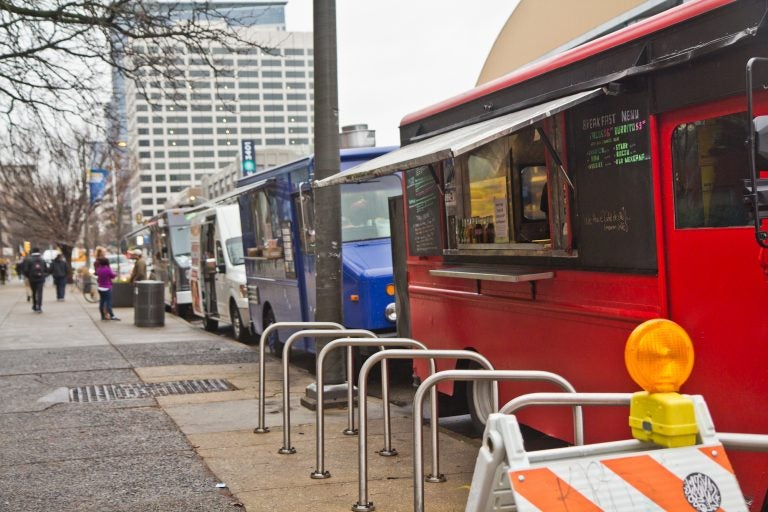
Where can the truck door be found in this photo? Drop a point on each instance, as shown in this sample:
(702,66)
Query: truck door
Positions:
(209,272)
(222,290)
(715,286)
(305,252)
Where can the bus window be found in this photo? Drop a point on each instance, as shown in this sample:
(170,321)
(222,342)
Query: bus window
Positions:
(710,162)
(365,208)
(264,219)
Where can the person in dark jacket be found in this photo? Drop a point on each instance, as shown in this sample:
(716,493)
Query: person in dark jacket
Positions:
(36,270)
(59,270)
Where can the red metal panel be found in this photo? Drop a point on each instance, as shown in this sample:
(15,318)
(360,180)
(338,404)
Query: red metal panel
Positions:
(717,292)
(576,327)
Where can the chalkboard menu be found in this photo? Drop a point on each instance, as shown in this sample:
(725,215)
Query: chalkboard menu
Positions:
(423,197)
(610,158)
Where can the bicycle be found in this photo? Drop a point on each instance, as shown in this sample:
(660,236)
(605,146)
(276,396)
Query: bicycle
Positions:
(88,287)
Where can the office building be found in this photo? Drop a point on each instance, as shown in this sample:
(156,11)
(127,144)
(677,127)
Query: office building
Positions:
(180,131)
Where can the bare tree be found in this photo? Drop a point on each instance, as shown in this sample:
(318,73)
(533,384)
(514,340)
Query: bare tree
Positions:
(50,207)
(56,55)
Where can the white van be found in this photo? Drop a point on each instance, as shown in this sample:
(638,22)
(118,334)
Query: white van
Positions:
(217,271)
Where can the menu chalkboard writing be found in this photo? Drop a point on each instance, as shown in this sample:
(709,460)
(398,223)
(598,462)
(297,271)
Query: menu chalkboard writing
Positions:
(423,199)
(616,139)
(609,156)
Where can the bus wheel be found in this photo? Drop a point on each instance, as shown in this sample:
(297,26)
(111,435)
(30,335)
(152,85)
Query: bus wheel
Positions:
(239,332)
(479,402)
(209,324)
(274,343)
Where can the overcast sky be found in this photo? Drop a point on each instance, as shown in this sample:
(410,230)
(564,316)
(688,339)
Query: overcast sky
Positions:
(399,56)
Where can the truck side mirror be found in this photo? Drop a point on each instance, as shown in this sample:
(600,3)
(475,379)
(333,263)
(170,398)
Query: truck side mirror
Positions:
(760,133)
(210,265)
(755,187)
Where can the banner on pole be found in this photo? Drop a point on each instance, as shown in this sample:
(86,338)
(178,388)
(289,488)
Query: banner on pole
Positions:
(98,184)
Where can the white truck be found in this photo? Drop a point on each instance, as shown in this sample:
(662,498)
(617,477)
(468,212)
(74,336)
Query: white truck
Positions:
(217,272)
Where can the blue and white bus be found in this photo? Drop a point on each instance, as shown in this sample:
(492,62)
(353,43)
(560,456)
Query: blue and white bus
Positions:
(277,218)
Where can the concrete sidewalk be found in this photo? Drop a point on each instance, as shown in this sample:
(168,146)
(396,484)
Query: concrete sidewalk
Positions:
(169,453)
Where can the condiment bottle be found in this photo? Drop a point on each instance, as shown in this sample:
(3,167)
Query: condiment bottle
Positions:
(490,231)
(479,236)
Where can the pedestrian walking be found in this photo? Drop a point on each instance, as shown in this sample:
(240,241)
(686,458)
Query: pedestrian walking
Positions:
(36,270)
(59,271)
(104,277)
(3,270)
(139,272)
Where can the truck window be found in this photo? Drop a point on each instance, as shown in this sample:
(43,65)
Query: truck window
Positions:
(266,223)
(180,241)
(235,250)
(219,254)
(710,162)
(365,208)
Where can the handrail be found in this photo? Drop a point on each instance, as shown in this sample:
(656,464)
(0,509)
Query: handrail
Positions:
(261,428)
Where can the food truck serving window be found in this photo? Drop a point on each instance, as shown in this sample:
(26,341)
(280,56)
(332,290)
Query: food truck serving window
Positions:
(496,201)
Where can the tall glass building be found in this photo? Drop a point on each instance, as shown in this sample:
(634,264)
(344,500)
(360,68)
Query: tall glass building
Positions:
(177,133)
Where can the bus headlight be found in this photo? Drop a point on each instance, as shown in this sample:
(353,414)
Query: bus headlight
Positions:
(391,312)
(243,291)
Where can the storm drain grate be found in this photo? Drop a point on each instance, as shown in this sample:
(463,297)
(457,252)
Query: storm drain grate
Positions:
(107,392)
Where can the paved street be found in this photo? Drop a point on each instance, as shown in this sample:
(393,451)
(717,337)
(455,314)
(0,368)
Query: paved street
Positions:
(182,452)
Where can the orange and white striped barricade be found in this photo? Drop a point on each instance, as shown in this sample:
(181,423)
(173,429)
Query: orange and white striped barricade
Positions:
(614,476)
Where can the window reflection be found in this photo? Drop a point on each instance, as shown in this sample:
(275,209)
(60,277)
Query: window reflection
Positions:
(365,209)
(710,162)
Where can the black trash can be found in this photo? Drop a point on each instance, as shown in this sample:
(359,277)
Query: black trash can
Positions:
(148,304)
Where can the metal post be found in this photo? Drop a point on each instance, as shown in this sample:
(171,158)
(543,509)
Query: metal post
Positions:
(262,428)
(472,375)
(287,449)
(363,505)
(327,202)
(320,472)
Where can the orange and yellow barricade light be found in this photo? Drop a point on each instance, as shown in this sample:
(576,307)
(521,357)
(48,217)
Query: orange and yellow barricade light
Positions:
(659,358)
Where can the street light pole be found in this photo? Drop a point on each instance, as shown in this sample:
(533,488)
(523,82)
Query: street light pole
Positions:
(328,199)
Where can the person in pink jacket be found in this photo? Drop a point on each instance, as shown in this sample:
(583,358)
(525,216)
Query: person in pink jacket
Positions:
(104,277)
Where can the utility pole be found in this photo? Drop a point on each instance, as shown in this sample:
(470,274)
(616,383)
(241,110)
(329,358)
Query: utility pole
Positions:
(328,199)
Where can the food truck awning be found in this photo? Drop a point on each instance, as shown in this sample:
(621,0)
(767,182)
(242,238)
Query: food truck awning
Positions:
(237,192)
(454,143)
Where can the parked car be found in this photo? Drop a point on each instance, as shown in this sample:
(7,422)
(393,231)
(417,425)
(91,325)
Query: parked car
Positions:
(125,266)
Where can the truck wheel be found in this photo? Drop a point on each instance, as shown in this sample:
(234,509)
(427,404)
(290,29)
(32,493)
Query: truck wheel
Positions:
(209,324)
(239,332)
(479,402)
(273,342)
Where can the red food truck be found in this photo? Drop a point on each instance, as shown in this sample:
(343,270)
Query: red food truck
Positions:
(551,211)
